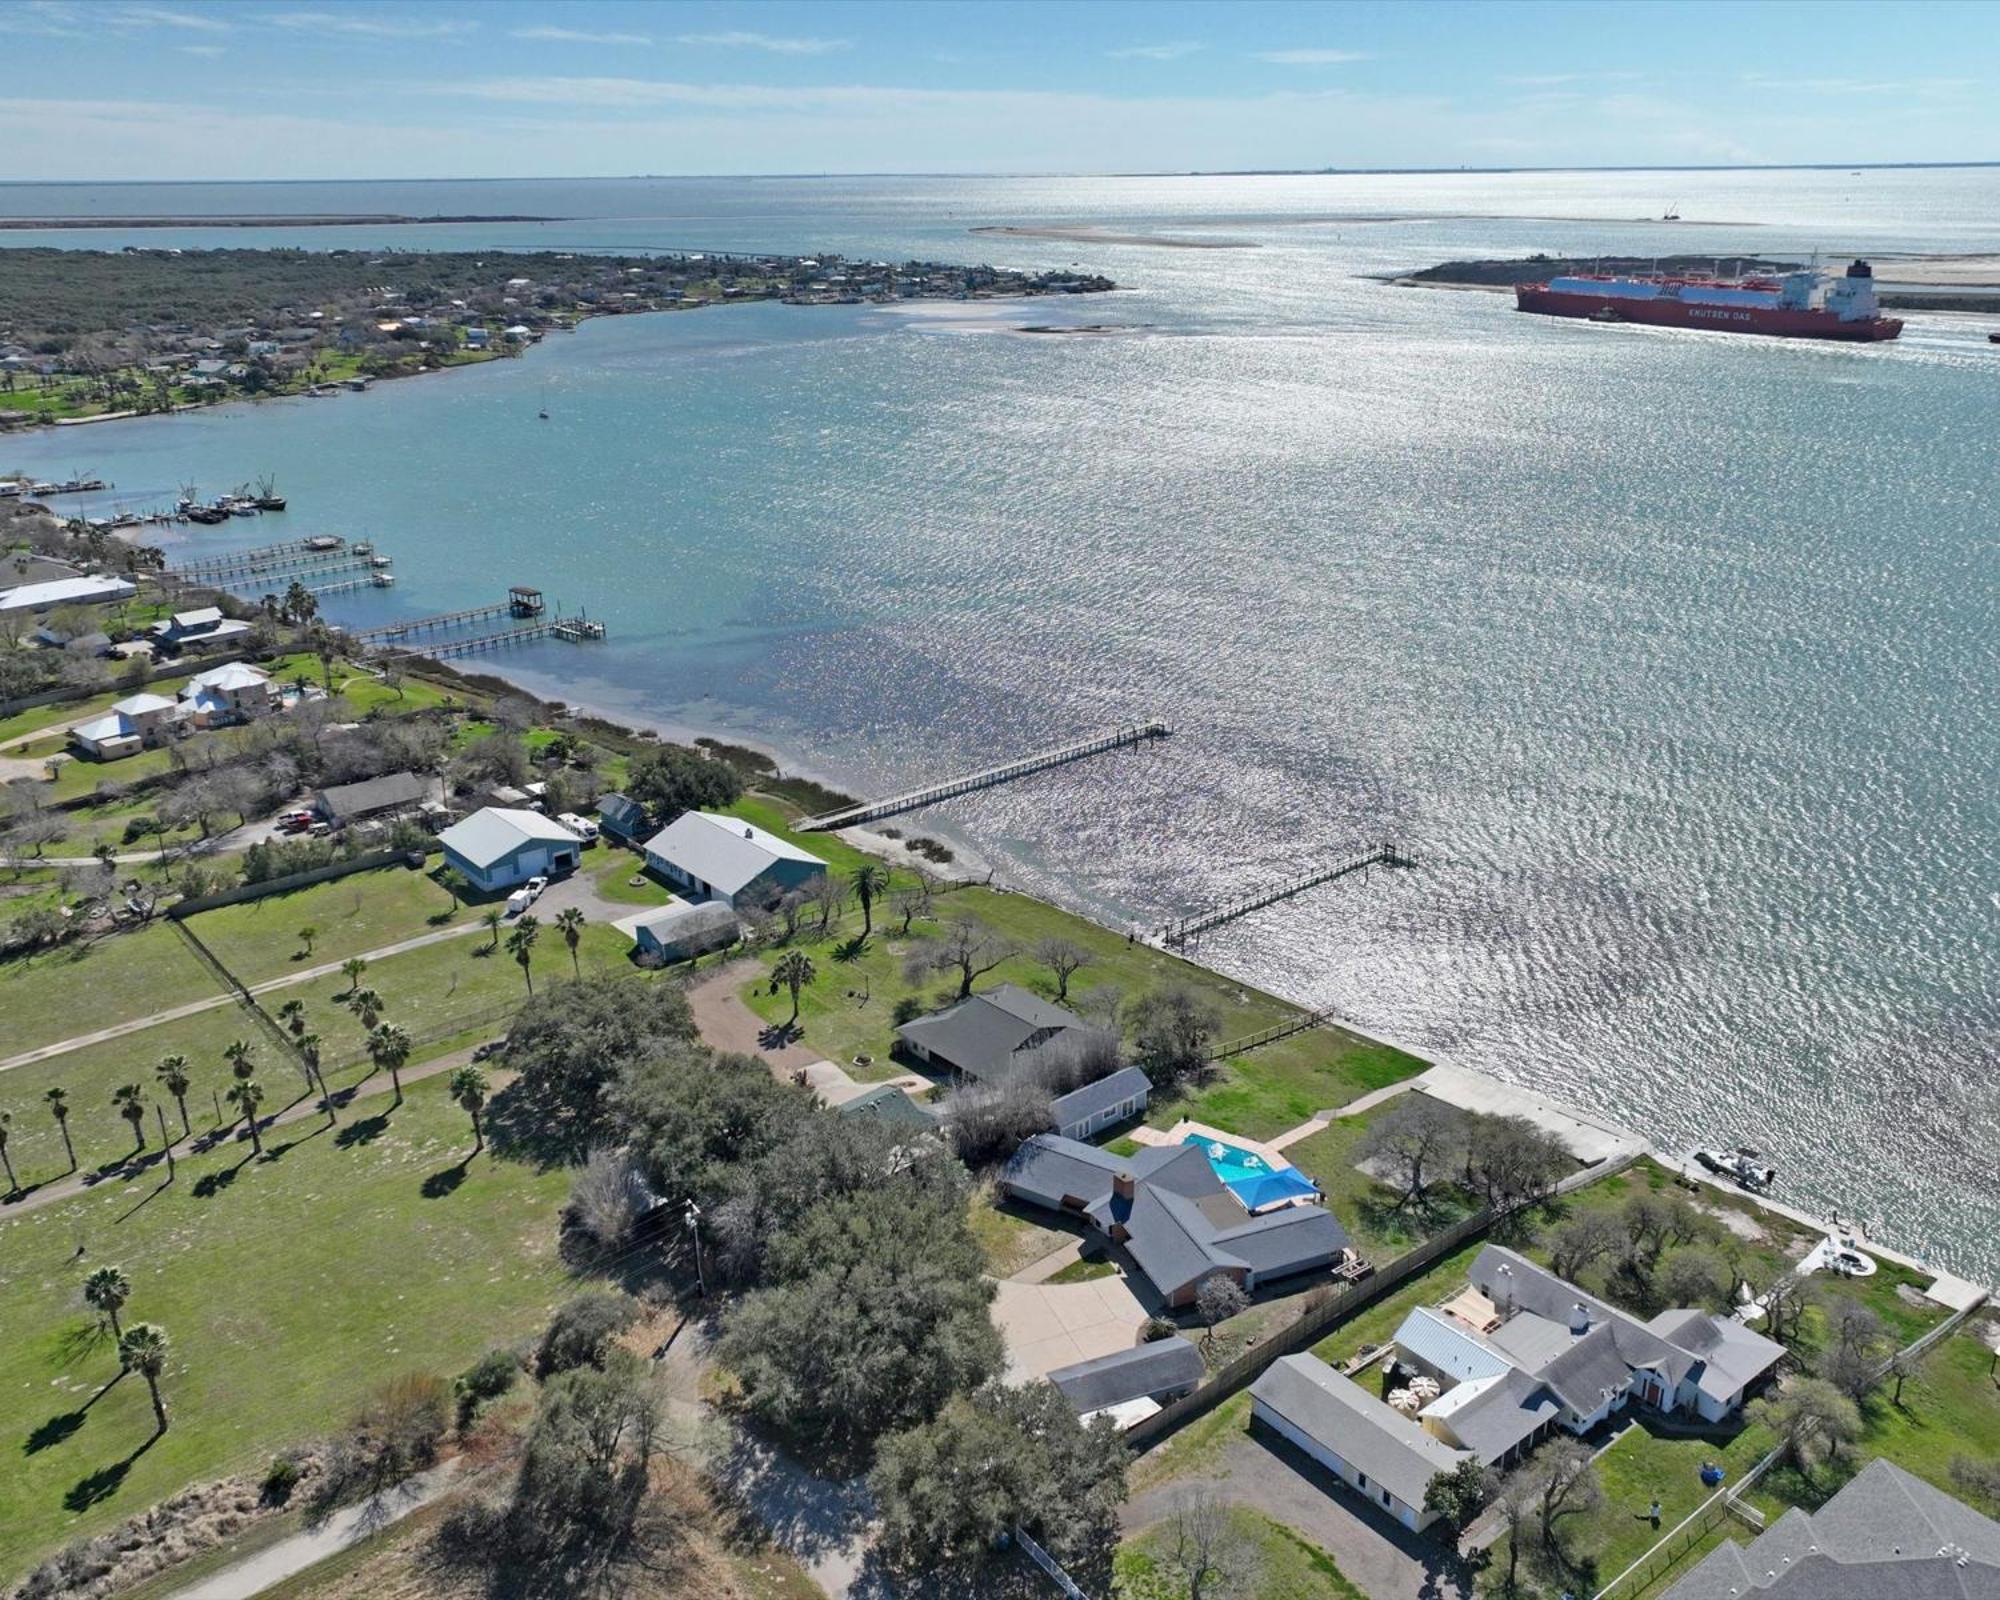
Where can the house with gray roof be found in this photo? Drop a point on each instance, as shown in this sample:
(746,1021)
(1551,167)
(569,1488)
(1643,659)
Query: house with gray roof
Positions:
(1887,1535)
(1109,1101)
(714,857)
(1130,1385)
(1375,1450)
(386,796)
(1597,1359)
(888,1104)
(622,817)
(996,1036)
(1176,1219)
(498,848)
(682,930)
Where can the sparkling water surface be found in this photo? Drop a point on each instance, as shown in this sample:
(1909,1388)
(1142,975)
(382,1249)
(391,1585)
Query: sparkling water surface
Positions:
(1671,653)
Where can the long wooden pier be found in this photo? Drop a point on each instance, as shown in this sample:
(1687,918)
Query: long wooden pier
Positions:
(574,629)
(267,552)
(1359,859)
(298,566)
(1132,733)
(443,620)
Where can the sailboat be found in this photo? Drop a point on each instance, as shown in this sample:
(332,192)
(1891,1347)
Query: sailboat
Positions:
(1673,213)
(544,412)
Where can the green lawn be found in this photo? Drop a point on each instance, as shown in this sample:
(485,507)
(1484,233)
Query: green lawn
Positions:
(1287,1567)
(259,939)
(81,987)
(289,1287)
(621,875)
(1282,1084)
(1379,1321)
(1367,1209)
(1008,1239)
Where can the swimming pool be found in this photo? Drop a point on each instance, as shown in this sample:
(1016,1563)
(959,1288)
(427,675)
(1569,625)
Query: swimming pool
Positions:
(1248,1176)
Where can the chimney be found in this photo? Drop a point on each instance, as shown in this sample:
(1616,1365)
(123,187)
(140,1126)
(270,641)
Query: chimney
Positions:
(1121,1186)
(1579,1318)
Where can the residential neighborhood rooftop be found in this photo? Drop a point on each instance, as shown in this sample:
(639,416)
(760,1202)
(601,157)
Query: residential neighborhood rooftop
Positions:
(725,852)
(488,835)
(995,1034)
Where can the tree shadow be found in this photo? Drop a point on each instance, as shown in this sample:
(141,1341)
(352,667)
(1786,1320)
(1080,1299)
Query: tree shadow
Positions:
(63,1424)
(145,1200)
(81,1342)
(440,1185)
(779,1034)
(366,1131)
(96,1487)
(211,1184)
(524,1123)
(274,1152)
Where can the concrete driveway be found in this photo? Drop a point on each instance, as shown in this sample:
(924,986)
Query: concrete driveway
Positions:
(1050,1325)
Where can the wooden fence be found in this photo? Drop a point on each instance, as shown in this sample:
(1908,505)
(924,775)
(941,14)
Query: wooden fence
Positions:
(290,881)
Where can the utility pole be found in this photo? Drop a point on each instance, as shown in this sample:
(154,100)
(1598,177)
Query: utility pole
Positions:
(694,1232)
(166,1142)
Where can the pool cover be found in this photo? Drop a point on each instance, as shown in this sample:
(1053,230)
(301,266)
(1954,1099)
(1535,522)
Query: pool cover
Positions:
(1251,1178)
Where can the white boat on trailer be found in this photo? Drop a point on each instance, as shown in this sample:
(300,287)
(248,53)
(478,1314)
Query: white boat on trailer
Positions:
(1743,1165)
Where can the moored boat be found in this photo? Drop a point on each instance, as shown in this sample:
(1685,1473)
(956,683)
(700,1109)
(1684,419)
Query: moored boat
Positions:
(1800,305)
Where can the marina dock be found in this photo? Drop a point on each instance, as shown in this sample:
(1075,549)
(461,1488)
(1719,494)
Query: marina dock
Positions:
(576,630)
(1177,933)
(440,623)
(1132,733)
(244,561)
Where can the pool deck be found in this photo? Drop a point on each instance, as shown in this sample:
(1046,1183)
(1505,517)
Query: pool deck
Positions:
(1181,1132)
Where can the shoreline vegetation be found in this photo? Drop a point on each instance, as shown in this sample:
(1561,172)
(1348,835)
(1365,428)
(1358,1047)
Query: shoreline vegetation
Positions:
(1969,273)
(94,335)
(276,219)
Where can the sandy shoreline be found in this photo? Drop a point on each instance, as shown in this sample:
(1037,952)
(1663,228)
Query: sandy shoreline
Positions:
(1086,233)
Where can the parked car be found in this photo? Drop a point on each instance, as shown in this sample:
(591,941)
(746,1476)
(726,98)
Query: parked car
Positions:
(534,888)
(490,1049)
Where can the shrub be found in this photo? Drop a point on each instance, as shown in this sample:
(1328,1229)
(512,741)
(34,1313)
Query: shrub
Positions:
(907,1009)
(488,1378)
(581,1332)
(137,827)
(394,1434)
(280,1479)
(1154,1329)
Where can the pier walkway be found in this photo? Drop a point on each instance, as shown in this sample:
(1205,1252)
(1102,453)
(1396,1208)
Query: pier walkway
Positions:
(574,629)
(444,620)
(1177,933)
(264,552)
(1132,733)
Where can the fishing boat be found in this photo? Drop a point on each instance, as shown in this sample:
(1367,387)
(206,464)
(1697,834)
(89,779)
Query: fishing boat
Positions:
(1744,1165)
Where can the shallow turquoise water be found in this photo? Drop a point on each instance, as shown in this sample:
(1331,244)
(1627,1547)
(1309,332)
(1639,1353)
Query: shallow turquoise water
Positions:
(1249,1176)
(1672,653)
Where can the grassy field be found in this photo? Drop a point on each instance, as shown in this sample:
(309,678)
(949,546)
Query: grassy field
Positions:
(1007,1238)
(290,1287)
(1369,1210)
(259,939)
(1286,1567)
(79,988)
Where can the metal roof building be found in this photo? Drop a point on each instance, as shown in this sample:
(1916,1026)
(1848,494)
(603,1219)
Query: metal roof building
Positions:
(725,858)
(1150,1372)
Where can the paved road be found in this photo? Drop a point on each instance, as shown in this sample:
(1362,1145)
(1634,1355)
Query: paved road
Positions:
(350,1526)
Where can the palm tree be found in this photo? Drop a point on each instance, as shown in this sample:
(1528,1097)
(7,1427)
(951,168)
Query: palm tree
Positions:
(468,1088)
(521,945)
(351,969)
(106,1290)
(570,921)
(238,1054)
(143,1349)
(306,936)
(794,970)
(293,1015)
(492,922)
(869,880)
(457,885)
(130,1099)
(309,1053)
(58,1101)
(367,1005)
(172,1073)
(389,1047)
(7,1122)
(247,1096)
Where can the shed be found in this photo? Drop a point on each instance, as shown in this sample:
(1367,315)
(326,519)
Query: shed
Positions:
(497,849)
(373,797)
(1103,1104)
(622,817)
(1160,1371)
(681,931)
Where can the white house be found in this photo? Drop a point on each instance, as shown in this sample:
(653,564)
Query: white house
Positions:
(204,627)
(497,849)
(128,727)
(85,591)
(227,694)
(715,857)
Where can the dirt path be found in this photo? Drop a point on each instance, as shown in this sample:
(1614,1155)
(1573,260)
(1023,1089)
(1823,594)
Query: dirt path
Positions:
(728,1024)
(325,969)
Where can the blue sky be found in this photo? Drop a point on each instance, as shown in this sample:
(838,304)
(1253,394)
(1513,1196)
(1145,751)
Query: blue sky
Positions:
(190,89)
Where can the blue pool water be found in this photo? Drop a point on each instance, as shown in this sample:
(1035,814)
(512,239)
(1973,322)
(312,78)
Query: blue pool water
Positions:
(1249,1177)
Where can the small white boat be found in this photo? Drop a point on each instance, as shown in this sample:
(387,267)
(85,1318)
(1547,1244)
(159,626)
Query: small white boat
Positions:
(1744,1165)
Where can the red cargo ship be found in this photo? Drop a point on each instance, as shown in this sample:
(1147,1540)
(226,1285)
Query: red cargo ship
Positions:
(1800,305)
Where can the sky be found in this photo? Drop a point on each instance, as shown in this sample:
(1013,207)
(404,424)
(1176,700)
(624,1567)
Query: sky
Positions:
(273,89)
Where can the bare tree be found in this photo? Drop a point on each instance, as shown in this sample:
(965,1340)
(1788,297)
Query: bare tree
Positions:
(1217,1298)
(1513,1162)
(1064,958)
(829,898)
(967,946)
(1566,1486)
(1207,1555)
(914,902)
(1412,1141)
(1590,1238)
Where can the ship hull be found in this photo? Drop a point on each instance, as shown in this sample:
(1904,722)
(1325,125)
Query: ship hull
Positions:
(1670,313)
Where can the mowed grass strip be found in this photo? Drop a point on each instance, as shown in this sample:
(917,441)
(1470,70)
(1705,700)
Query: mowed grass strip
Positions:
(80,988)
(259,939)
(290,1287)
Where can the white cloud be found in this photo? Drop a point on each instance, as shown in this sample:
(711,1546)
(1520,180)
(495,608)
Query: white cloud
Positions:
(740,40)
(577,36)
(201,49)
(1307,58)
(162,17)
(1154,52)
(370,26)
(43,19)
